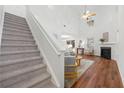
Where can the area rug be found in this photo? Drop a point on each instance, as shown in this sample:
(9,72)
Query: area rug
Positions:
(84,65)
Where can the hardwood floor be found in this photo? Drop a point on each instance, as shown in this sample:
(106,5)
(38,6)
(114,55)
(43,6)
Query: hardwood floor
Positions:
(102,74)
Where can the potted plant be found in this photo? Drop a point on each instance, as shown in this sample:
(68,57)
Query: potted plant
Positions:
(102,40)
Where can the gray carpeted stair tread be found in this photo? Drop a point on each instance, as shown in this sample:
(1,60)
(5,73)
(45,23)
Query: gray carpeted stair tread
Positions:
(19,35)
(18,39)
(18,45)
(8,75)
(20,65)
(30,82)
(15,56)
(15,41)
(10,62)
(16,36)
(16,27)
(23,20)
(15,16)
(22,77)
(46,84)
(18,52)
(15,21)
(49,85)
(15,24)
(10,22)
(12,39)
(17,48)
(7,29)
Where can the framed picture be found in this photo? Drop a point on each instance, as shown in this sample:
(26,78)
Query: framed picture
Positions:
(80,51)
(71,42)
(106,36)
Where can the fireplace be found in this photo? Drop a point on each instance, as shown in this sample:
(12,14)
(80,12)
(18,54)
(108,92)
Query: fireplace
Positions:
(106,52)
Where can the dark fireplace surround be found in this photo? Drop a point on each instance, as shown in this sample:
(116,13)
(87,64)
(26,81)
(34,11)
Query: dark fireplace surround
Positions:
(106,52)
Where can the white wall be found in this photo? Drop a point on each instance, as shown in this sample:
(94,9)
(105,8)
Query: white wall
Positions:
(121,42)
(1,21)
(53,19)
(15,9)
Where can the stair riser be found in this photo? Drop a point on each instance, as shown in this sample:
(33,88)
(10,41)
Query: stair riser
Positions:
(4,48)
(18,56)
(16,24)
(20,65)
(12,15)
(16,42)
(15,27)
(15,18)
(14,21)
(17,37)
(20,78)
(13,30)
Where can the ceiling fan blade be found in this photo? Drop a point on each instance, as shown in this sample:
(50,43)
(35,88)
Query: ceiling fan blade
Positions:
(91,14)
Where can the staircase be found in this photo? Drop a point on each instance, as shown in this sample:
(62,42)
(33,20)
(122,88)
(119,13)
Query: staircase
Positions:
(21,65)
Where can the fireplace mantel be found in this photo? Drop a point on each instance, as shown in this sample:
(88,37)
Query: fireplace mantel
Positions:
(113,46)
(108,43)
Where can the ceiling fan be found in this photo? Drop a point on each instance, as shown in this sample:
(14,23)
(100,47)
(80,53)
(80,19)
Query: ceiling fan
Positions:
(88,16)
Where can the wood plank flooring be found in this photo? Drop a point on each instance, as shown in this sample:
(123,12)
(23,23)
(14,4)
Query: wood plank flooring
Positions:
(102,74)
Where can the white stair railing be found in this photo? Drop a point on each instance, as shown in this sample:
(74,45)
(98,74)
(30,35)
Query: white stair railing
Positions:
(53,55)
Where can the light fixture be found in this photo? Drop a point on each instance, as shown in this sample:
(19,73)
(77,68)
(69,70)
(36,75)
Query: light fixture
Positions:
(65,36)
(88,16)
